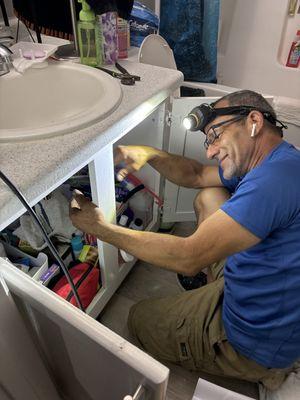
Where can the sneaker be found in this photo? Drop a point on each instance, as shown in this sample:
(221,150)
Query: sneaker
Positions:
(192,282)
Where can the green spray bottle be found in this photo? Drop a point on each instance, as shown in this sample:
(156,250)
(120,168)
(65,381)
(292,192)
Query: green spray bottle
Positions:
(89,37)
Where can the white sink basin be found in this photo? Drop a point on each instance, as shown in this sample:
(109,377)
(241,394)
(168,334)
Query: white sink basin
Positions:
(57,99)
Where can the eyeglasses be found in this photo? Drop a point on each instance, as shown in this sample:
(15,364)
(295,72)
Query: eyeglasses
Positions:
(212,135)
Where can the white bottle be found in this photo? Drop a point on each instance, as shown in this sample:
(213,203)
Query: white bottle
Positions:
(126,256)
(137,224)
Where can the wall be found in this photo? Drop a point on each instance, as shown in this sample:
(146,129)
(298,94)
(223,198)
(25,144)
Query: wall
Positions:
(254,39)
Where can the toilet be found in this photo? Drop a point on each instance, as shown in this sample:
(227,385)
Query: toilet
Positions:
(155,50)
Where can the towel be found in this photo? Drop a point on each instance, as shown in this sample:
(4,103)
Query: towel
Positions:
(21,64)
(53,212)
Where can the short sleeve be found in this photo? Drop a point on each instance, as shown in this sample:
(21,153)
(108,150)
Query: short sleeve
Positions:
(261,203)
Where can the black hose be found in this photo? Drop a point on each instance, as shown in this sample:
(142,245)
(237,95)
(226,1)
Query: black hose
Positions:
(47,240)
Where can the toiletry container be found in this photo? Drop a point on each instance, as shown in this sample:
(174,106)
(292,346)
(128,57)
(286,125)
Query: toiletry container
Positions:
(89,37)
(125,256)
(77,245)
(122,38)
(108,22)
(137,224)
(294,54)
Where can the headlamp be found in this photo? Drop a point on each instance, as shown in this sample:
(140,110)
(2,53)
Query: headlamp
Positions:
(203,114)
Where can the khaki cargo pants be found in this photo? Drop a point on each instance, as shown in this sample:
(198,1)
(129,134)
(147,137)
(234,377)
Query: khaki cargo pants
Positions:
(187,329)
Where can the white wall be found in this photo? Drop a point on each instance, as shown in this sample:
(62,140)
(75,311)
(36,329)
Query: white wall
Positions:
(254,39)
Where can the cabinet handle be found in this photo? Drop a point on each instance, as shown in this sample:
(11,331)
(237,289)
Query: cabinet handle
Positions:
(137,395)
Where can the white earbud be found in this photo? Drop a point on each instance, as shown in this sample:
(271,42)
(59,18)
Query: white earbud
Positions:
(253,130)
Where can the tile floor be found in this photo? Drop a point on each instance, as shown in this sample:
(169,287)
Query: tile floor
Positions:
(146,281)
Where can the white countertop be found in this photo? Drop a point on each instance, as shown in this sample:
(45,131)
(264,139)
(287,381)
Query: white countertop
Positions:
(37,167)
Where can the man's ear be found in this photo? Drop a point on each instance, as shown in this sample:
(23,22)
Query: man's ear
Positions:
(255,121)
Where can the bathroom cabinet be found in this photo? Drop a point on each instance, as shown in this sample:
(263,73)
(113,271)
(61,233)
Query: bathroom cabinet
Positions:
(148,115)
(156,122)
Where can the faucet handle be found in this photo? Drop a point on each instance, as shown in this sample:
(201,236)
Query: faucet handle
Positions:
(5,62)
(4,50)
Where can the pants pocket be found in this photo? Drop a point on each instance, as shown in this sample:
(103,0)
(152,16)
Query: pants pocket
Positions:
(183,345)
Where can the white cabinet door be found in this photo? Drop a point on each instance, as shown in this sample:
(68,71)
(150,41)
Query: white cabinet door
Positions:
(60,352)
(178,201)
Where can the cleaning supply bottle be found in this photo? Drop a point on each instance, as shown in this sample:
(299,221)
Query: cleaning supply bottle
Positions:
(76,245)
(137,224)
(125,256)
(89,37)
(294,54)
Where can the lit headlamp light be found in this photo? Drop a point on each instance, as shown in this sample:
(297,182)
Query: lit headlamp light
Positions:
(202,115)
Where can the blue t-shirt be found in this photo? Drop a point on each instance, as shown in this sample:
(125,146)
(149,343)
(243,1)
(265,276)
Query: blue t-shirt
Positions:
(261,308)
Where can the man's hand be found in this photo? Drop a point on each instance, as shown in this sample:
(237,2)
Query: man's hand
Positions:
(85,215)
(134,157)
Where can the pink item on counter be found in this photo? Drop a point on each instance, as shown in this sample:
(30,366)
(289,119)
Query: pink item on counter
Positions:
(32,54)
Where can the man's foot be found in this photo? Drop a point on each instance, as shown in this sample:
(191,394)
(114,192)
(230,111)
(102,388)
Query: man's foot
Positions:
(192,282)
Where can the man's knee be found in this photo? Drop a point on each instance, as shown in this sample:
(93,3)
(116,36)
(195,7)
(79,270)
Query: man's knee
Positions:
(140,320)
(209,200)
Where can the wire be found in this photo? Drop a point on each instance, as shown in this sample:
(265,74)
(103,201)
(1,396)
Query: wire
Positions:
(46,237)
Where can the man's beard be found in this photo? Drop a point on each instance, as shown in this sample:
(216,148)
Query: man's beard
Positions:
(231,170)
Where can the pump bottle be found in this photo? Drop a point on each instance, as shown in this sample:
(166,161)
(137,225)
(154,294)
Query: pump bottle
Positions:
(89,37)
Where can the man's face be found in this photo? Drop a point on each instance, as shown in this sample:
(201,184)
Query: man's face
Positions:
(232,148)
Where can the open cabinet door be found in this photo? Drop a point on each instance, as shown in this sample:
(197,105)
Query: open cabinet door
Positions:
(85,360)
(23,374)
(178,201)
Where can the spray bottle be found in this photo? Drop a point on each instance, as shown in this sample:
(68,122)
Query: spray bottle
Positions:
(89,37)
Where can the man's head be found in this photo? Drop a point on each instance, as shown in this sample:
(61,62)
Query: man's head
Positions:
(240,130)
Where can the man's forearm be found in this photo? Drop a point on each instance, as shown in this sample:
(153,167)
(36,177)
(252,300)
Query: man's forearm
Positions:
(177,169)
(166,251)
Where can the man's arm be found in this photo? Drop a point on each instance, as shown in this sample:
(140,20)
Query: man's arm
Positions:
(180,170)
(216,238)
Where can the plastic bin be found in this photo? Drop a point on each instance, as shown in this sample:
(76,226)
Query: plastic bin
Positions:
(39,264)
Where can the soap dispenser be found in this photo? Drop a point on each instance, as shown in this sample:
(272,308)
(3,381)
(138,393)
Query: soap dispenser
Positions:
(89,37)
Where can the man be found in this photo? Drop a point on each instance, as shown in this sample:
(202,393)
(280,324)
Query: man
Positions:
(245,324)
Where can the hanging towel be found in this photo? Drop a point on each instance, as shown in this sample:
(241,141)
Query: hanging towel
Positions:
(287,109)
(53,17)
(53,212)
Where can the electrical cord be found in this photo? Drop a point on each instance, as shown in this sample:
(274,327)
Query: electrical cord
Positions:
(45,236)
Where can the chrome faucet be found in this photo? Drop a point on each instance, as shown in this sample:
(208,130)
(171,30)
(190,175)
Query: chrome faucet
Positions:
(5,59)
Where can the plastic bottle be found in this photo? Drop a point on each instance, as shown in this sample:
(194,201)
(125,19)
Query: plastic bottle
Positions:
(89,37)
(137,224)
(126,256)
(122,38)
(294,54)
(108,21)
(123,220)
(77,245)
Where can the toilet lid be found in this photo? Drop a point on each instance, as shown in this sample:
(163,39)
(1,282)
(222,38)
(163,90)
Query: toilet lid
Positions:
(155,50)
